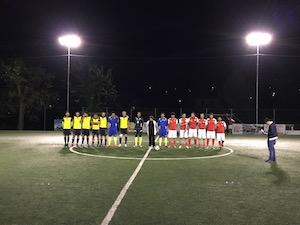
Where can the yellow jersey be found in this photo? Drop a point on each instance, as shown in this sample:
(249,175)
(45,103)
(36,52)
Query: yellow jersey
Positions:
(67,123)
(77,122)
(86,124)
(103,122)
(95,126)
(124,122)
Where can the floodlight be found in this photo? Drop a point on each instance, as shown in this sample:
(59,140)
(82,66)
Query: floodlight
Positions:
(258,38)
(70,41)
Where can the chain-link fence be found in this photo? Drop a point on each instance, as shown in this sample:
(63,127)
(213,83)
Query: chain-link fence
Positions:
(45,118)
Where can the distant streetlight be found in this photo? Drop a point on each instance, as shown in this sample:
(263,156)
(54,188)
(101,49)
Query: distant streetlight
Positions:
(257,39)
(69,41)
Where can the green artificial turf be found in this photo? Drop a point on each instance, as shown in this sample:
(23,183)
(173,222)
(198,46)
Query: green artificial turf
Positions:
(41,182)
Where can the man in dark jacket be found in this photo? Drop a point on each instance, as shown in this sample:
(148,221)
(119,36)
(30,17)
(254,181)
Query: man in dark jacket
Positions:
(272,137)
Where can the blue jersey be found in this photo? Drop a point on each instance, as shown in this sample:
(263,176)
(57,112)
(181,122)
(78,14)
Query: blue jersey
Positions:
(113,122)
(162,123)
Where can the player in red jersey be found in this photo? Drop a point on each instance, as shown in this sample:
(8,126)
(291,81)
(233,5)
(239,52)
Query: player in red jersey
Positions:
(193,120)
(211,130)
(183,133)
(202,130)
(221,127)
(172,129)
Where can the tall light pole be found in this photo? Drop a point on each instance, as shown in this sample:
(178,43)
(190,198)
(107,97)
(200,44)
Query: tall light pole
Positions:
(69,41)
(257,39)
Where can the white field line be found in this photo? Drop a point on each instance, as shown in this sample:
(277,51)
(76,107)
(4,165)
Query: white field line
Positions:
(152,159)
(117,202)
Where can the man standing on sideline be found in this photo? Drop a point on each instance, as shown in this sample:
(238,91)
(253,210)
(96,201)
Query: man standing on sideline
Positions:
(230,123)
(151,131)
(272,137)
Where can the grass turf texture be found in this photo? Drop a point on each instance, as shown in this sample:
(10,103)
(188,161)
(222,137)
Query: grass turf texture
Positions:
(82,189)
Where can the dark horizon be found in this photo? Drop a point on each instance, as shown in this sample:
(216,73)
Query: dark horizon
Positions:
(187,45)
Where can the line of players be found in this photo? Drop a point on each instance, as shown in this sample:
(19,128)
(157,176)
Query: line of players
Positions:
(207,129)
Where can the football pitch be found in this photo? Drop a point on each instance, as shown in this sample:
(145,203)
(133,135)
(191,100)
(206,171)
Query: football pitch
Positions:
(41,182)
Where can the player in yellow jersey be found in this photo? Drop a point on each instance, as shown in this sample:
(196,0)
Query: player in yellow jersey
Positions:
(67,124)
(95,129)
(124,126)
(103,128)
(86,126)
(76,128)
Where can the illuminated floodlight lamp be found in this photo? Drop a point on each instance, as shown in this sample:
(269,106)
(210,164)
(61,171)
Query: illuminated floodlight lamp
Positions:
(70,41)
(258,38)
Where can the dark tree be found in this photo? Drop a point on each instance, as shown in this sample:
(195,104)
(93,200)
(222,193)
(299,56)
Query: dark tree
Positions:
(27,88)
(96,88)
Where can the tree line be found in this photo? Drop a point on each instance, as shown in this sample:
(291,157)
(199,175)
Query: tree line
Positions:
(26,89)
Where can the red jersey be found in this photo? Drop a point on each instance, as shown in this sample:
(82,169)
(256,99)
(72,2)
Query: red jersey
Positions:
(211,124)
(183,122)
(173,123)
(193,122)
(202,124)
(221,126)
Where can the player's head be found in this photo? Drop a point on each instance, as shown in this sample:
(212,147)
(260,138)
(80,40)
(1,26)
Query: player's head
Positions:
(103,114)
(139,114)
(124,113)
(67,113)
(173,114)
(193,114)
(85,114)
(95,115)
(113,114)
(151,118)
(219,118)
(183,115)
(267,120)
(202,116)
(211,115)
(162,115)
(77,113)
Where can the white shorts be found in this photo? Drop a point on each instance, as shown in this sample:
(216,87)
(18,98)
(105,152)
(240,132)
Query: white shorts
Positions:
(183,134)
(211,135)
(230,127)
(202,134)
(192,133)
(220,136)
(172,134)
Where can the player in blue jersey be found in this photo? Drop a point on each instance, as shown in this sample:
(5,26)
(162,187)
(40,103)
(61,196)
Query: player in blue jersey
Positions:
(163,124)
(113,125)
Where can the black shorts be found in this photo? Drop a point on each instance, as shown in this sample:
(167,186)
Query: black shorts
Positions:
(95,132)
(103,131)
(123,131)
(76,131)
(86,132)
(67,131)
(138,132)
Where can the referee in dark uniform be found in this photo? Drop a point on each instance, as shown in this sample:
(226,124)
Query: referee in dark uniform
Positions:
(138,129)
(272,137)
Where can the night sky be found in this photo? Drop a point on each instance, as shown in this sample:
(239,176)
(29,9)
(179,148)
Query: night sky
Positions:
(190,46)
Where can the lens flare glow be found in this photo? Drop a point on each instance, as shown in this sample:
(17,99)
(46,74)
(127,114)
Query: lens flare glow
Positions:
(71,41)
(258,38)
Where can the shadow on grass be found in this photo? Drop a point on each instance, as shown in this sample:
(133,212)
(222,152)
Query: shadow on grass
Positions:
(281,175)
(64,151)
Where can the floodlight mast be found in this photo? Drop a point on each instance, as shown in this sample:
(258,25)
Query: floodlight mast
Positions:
(257,39)
(69,41)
